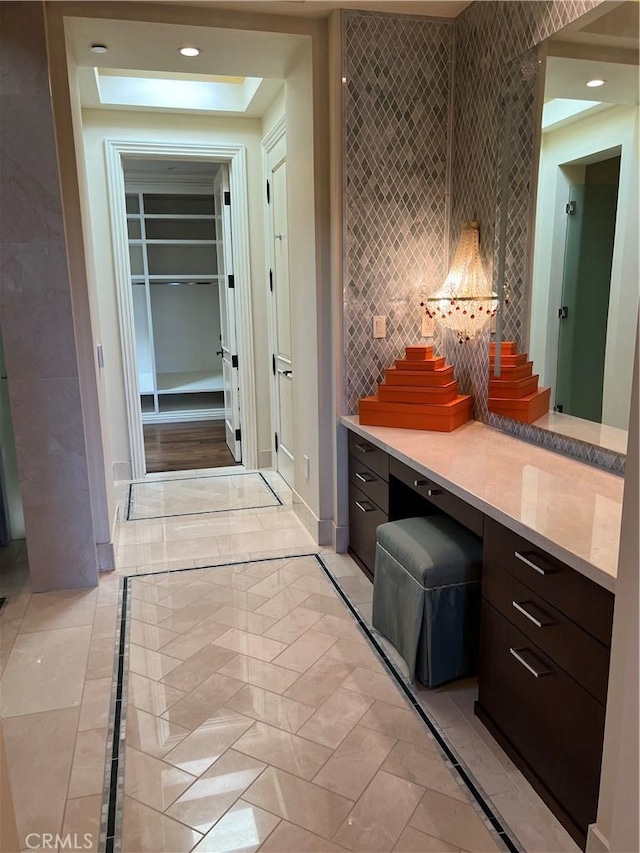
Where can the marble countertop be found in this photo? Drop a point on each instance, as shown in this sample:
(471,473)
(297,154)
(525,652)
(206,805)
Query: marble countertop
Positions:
(568,508)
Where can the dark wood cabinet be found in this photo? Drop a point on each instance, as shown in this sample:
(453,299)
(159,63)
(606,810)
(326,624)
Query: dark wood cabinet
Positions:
(368,499)
(543,671)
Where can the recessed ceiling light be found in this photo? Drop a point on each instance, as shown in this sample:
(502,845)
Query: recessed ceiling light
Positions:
(190,51)
(99,48)
(593,84)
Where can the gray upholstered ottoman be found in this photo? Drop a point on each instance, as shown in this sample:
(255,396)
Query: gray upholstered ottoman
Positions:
(426,595)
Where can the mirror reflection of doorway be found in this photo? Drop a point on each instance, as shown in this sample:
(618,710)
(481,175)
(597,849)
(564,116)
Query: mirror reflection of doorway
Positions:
(591,220)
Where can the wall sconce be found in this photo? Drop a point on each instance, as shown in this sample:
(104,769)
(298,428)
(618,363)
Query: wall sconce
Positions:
(465,302)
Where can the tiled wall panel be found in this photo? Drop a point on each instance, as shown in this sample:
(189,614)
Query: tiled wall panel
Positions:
(396,134)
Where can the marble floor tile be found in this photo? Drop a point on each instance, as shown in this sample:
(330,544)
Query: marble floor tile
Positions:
(242,830)
(412,841)
(39,751)
(251,645)
(271,708)
(283,603)
(357,654)
(535,828)
(65,609)
(192,709)
(100,660)
(480,760)
(153,735)
(453,821)
(305,651)
(151,696)
(343,628)
(287,838)
(82,820)
(187,644)
(204,745)
(320,681)
(335,718)
(356,761)
(146,830)
(95,707)
(87,770)
(399,723)
(204,803)
(45,671)
(380,814)
(254,623)
(307,805)
(222,595)
(190,673)
(152,781)
(284,750)
(150,636)
(327,605)
(377,685)
(276,679)
(151,664)
(425,768)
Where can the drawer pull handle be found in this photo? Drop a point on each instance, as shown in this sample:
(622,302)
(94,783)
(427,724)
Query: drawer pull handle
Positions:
(365,478)
(367,508)
(432,493)
(365,448)
(535,672)
(530,616)
(529,562)
(418,483)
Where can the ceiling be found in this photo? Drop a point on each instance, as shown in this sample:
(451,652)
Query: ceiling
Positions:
(322,8)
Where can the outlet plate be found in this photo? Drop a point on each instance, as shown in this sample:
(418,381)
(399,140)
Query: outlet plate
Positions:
(427,326)
(380,326)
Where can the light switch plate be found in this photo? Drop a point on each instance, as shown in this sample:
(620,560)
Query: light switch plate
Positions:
(380,326)
(427,326)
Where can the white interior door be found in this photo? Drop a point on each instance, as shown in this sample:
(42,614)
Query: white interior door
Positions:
(282,364)
(228,340)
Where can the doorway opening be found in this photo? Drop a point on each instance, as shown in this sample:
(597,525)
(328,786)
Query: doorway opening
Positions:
(179,243)
(586,284)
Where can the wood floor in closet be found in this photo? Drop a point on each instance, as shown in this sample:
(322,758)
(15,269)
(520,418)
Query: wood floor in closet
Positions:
(185,446)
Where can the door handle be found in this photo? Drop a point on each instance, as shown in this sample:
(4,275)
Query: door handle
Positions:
(285,372)
(219,352)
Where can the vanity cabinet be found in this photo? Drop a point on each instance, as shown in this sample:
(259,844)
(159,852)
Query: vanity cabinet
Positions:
(368,498)
(543,669)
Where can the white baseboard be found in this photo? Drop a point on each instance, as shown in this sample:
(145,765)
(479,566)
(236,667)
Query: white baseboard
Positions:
(596,842)
(188,415)
(106,556)
(122,471)
(340,538)
(321,529)
(265,459)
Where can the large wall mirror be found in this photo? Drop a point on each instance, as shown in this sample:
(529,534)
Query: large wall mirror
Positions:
(580,280)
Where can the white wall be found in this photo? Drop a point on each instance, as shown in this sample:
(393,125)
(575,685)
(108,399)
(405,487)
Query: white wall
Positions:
(617,827)
(99,125)
(273,114)
(617,126)
(302,277)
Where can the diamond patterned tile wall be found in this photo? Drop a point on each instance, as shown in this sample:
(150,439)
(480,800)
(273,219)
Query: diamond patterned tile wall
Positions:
(396,143)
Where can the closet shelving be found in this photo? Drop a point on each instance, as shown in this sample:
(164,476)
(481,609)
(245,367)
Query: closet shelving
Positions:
(176,261)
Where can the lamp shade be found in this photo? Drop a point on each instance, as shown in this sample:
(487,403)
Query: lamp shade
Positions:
(464,303)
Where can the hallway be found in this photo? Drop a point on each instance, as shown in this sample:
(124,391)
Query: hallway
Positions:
(185,446)
(254,709)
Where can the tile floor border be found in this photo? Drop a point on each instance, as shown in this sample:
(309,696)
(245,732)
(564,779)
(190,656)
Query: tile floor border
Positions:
(113,793)
(480,801)
(129,504)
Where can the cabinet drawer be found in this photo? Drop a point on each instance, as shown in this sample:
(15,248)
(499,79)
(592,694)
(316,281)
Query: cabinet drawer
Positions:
(364,518)
(552,722)
(439,497)
(370,455)
(578,653)
(582,600)
(372,484)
